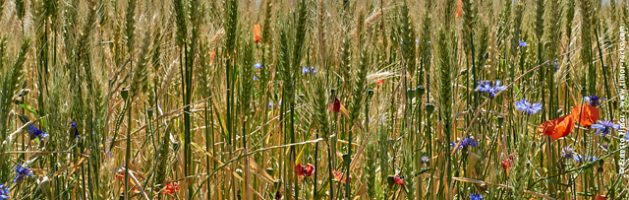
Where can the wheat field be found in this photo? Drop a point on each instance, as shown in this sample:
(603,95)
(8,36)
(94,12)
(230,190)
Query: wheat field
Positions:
(313,99)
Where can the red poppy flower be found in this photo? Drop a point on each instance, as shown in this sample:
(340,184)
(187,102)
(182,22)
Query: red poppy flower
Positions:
(557,128)
(379,82)
(398,180)
(507,163)
(585,115)
(340,177)
(304,170)
(171,188)
(257,33)
(336,107)
(120,175)
(459,8)
(212,57)
(600,197)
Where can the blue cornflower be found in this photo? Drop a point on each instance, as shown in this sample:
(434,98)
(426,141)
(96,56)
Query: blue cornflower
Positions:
(593,100)
(527,107)
(466,142)
(475,196)
(308,70)
(483,86)
(4,192)
(255,78)
(35,132)
(627,136)
(21,173)
(32,130)
(581,158)
(75,130)
(491,90)
(604,127)
(469,142)
(522,43)
(270,104)
(424,159)
(258,66)
(567,152)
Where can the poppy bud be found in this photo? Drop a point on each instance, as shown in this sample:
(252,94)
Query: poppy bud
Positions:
(430,107)
(124,93)
(420,89)
(269,170)
(347,158)
(500,119)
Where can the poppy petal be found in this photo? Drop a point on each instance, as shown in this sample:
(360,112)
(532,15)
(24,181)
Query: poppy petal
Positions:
(585,115)
(459,8)
(299,170)
(309,169)
(600,197)
(335,106)
(557,128)
(398,180)
(257,33)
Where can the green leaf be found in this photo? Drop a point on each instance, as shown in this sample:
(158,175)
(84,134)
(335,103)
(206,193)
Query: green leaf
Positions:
(28,108)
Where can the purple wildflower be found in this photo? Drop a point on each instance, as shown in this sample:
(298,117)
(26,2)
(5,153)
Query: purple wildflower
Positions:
(528,107)
(4,192)
(567,152)
(475,196)
(604,127)
(469,142)
(483,86)
(255,78)
(258,66)
(593,100)
(466,142)
(75,130)
(21,173)
(32,130)
(491,90)
(35,132)
(522,43)
(582,158)
(424,159)
(308,70)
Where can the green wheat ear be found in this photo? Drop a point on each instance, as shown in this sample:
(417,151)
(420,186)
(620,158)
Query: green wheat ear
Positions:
(3,52)
(10,85)
(20,9)
(406,38)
